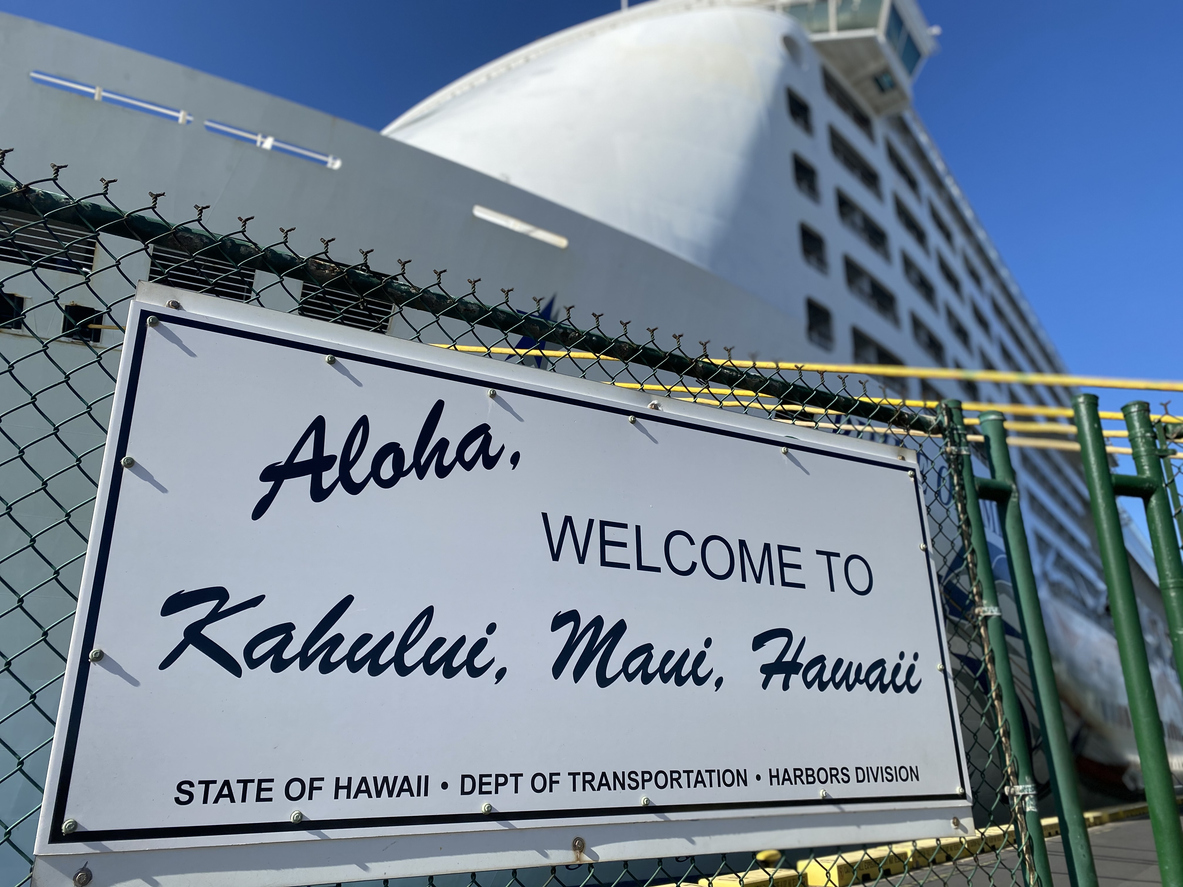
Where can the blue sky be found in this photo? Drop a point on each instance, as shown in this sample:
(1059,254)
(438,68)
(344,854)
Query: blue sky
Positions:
(1062,122)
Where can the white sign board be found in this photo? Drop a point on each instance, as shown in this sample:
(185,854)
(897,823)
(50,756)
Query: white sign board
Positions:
(358,608)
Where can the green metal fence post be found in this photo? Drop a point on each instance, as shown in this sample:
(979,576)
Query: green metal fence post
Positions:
(1078,850)
(1135,666)
(1158,521)
(997,650)
(1165,452)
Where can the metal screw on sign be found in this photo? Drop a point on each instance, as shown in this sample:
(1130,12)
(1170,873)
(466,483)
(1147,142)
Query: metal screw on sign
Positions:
(956,823)
(960,790)
(654,405)
(127,461)
(153,320)
(173,304)
(297,817)
(923,547)
(940,666)
(632,420)
(96,654)
(82,877)
(784,451)
(825,794)
(486,808)
(579,845)
(492,392)
(329,359)
(911,474)
(645,802)
(69,826)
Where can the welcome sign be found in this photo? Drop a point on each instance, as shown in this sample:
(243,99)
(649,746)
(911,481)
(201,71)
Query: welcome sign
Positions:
(358,608)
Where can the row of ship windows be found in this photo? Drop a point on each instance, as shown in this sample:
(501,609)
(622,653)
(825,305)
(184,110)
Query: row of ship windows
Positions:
(806,176)
(872,291)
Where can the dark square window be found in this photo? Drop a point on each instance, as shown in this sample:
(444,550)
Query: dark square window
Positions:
(813,248)
(12,311)
(820,324)
(799,111)
(806,177)
(81,322)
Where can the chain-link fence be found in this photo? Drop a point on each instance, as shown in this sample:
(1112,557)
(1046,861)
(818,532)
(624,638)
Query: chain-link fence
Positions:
(68,269)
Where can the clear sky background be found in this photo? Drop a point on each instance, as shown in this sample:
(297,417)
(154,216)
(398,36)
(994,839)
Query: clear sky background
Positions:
(1062,121)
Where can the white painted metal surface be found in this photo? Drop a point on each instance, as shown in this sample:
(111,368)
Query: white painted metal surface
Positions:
(267,621)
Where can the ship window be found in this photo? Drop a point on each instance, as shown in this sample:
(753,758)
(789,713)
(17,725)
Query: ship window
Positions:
(901,41)
(870,290)
(868,351)
(813,248)
(941,224)
(814,15)
(81,322)
(800,112)
(910,224)
(972,271)
(919,280)
(855,15)
(854,161)
(928,341)
(902,169)
(980,318)
(847,104)
(929,393)
(950,278)
(202,273)
(820,324)
(957,327)
(1008,359)
(968,386)
(806,177)
(12,311)
(46,243)
(856,219)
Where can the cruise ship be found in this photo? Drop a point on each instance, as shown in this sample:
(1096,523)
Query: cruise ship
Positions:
(744,172)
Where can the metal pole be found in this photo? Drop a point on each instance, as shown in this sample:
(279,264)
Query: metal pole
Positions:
(1158,521)
(1169,472)
(997,649)
(1078,851)
(1135,666)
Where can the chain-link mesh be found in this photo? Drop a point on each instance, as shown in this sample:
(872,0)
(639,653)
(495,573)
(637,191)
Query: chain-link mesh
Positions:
(68,269)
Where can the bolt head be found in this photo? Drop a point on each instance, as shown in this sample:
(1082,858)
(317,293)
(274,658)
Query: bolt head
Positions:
(69,826)
(940,666)
(632,420)
(960,791)
(579,845)
(96,654)
(824,793)
(330,359)
(82,877)
(153,320)
(645,802)
(784,451)
(956,823)
(923,547)
(173,304)
(654,405)
(911,474)
(492,392)
(297,817)
(127,461)
(486,808)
